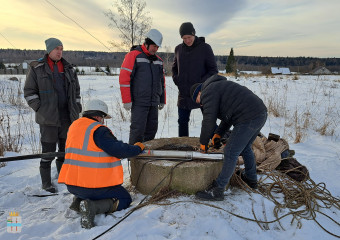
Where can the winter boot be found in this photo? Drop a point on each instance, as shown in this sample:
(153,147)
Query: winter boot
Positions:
(45,174)
(75,204)
(250,183)
(89,208)
(212,193)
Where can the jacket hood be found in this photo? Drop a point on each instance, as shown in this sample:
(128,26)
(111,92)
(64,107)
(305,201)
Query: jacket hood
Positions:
(135,47)
(213,78)
(201,39)
(141,48)
(197,41)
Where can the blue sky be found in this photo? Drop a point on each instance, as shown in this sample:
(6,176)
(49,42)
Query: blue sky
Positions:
(252,28)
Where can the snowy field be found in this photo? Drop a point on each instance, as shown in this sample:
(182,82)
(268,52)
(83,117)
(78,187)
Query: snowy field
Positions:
(305,110)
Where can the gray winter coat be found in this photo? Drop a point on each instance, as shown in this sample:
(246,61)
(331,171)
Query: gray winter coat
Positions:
(228,101)
(41,95)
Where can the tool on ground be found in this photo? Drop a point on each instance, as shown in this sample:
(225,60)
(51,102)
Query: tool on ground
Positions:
(151,154)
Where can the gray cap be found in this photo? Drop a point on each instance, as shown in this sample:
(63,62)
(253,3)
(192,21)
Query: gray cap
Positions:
(52,43)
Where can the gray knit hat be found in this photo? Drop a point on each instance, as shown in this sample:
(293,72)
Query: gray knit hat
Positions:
(52,43)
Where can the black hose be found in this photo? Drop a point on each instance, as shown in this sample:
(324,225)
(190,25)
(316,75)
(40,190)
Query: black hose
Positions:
(32,156)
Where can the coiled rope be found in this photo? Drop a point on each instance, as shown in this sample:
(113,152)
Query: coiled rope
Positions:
(304,200)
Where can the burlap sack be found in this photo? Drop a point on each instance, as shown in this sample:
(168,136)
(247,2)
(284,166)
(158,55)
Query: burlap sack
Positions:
(259,149)
(267,153)
(273,152)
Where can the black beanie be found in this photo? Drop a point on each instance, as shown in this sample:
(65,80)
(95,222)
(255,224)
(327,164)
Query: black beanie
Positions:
(187,29)
(194,90)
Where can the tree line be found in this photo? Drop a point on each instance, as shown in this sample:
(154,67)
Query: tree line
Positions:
(263,64)
(115,59)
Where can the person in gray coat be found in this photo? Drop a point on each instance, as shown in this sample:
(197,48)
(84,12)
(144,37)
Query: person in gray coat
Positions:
(194,62)
(236,106)
(52,91)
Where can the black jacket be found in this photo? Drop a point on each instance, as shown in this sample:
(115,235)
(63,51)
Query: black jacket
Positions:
(228,101)
(192,65)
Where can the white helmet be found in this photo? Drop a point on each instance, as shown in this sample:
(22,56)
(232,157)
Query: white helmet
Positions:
(155,36)
(97,105)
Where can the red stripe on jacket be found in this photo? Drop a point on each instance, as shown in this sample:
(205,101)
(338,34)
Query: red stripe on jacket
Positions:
(125,75)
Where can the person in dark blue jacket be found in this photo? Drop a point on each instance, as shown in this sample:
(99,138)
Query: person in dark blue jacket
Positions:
(194,62)
(89,200)
(236,106)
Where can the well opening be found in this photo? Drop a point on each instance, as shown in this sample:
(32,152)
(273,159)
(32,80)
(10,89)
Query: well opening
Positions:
(188,177)
(178,147)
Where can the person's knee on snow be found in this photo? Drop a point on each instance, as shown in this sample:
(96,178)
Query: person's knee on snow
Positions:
(90,208)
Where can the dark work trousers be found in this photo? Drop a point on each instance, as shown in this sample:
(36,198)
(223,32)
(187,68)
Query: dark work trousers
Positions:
(50,138)
(118,192)
(144,123)
(183,122)
(240,144)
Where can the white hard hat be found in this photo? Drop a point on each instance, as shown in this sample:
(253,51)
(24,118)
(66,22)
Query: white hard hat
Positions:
(155,36)
(97,105)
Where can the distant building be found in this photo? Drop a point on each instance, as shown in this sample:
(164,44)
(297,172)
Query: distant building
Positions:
(24,66)
(321,71)
(278,70)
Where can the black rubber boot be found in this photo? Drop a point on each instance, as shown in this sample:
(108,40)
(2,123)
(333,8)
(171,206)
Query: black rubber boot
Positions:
(46,183)
(89,208)
(212,193)
(75,205)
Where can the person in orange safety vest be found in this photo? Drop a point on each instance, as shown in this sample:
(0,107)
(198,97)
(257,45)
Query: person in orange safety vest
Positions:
(92,169)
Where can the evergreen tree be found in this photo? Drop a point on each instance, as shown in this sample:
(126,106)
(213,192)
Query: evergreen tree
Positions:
(2,66)
(231,62)
(108,69)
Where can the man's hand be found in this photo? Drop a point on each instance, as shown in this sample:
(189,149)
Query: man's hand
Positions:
(127,106)
(161,106)
(216,141)
(141,145)
(204,148)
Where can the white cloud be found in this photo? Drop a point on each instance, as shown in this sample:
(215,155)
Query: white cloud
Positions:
(263,27)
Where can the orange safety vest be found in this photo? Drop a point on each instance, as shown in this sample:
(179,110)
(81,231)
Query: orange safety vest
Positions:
(86,165)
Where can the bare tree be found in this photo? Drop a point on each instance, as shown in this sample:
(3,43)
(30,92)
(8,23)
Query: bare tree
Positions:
(131,21)
(167,57)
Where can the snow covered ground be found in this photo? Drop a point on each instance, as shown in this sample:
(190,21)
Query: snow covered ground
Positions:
(307,111)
